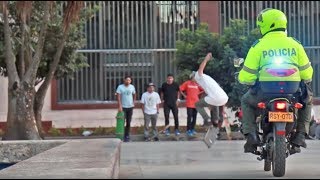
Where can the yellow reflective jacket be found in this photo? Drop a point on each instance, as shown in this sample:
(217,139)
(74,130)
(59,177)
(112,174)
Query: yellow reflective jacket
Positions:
(273,49)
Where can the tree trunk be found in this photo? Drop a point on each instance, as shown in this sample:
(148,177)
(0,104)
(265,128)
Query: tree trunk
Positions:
(38,105)
(41,93)
(21,124)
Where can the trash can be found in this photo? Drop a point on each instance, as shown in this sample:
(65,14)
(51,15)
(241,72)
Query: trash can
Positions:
(120,125)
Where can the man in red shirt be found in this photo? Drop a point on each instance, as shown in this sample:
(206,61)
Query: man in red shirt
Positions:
(192,90)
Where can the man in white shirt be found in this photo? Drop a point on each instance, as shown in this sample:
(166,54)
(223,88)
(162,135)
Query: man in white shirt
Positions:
(215,94)
(150,101)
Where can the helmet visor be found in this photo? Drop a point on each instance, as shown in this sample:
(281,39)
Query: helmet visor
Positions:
(260,19)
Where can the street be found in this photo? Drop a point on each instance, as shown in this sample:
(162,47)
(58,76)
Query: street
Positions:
(193,160)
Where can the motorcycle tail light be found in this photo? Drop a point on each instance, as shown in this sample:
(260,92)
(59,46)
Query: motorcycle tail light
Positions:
(281,133)
(261,105)
(280,105)
(298,105)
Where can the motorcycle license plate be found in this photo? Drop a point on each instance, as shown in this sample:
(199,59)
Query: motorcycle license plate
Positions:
(280,116)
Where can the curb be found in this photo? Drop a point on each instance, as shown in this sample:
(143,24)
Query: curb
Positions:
(162,137)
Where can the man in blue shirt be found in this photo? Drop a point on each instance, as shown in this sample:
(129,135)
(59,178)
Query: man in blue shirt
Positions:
(126,95)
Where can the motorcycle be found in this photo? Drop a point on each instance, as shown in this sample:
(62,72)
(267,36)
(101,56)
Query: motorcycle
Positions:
(276,121)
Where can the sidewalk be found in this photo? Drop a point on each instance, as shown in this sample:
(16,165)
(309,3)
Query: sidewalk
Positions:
(162,137)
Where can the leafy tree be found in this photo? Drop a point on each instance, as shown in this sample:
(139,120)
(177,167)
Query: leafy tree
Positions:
(233,43)
(37,43)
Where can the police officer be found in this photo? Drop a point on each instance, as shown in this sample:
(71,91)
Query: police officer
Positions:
(274,43)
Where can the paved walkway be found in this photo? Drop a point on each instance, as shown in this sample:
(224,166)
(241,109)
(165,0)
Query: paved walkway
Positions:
(193,160)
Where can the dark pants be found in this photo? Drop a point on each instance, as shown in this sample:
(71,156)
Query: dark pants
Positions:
(174,109)
(214,111)
(191,118)
(128,117)
(221,108)
(153,119)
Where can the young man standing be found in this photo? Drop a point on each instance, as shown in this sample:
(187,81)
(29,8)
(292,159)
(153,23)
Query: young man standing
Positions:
(126,95)
(170,95)
(150,101)
(192,91)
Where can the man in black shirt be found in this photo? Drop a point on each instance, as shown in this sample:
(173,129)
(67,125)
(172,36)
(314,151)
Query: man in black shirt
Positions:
(170,96)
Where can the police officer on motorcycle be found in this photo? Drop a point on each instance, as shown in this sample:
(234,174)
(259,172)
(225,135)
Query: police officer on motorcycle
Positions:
(274,43)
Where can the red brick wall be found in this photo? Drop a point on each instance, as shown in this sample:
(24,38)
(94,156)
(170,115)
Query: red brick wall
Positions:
(46,125)
(209,13)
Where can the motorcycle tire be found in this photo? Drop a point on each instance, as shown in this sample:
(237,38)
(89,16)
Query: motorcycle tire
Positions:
(267,165)
(279,156)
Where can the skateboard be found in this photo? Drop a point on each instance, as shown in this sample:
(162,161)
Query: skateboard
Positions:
(211,136)
(164,129)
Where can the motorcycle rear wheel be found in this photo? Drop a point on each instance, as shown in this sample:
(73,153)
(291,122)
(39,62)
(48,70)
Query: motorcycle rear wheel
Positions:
(279,156)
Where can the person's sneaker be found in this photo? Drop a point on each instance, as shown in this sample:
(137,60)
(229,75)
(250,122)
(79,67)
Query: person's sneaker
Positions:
(177,132)
(126,139)
(167,132)
(218,136)
(147,139)
(156,139)
(193,132)
(189,133)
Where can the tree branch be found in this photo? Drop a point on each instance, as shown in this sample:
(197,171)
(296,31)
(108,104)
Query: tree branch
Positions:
(71,14)
(24,9)
(40,95)
(21,64)
(28,53)
(9,56)
(31,73)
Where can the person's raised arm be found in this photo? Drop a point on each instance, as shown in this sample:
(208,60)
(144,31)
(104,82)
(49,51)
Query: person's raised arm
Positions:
(204,63)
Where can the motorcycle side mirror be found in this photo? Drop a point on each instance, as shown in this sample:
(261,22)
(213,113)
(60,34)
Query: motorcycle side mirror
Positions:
(237,62)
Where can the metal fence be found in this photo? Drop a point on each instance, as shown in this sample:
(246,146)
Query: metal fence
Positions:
(134,38)
(107,70)
(138,38)
(303,24)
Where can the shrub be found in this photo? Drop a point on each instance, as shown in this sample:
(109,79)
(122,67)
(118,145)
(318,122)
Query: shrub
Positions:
(54,132)
(110,131)
(99,131)
(234,42)
(140,129)
(70,132)
(81,129)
